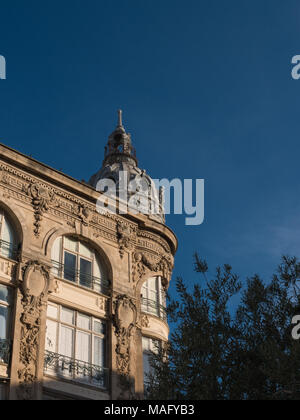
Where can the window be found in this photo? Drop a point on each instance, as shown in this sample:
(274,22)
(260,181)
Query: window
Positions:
(5,302)
(76,262)
(150,346)
(76,345)
(154,298)
(7,237)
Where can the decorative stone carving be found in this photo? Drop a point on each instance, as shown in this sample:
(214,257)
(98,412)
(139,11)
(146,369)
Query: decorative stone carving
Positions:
(144,322)
(45,197)
(126,236)
(34,289)
(7,268)
(101,302)
(57,287)
(142,262)
(83,212)
(125,318)
(41,199)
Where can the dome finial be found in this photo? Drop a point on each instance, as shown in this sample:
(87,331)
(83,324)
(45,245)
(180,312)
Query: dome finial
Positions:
(120,121)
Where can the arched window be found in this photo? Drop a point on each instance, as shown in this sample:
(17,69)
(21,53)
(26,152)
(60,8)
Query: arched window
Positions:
(77,262)
(8,242)
(154,298)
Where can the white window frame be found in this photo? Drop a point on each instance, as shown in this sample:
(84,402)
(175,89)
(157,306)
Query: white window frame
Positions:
(7,304)
(160,300)
(6,220)
(76,329)
(94,259)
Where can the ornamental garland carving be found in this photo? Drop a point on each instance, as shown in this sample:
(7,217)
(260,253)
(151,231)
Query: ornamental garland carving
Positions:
(41,200)
(143,262)
(34,290)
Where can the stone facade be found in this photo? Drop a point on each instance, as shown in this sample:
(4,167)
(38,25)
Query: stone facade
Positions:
(43,205)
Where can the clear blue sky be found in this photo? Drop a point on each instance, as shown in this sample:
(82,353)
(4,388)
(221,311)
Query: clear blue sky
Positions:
(206,90)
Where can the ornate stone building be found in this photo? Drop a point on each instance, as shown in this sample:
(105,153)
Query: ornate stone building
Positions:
(82,294)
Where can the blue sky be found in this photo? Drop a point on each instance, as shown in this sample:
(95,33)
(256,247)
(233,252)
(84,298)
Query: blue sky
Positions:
(206,90)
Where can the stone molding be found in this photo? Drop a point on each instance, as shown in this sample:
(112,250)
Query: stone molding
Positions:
(44,198)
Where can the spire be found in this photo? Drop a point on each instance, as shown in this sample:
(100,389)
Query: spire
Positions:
(119,147)
(120,121)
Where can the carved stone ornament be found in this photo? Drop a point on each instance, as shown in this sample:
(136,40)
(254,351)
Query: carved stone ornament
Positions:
(41,199)
(83,213)
(34,289)
(143,262)
(144,322)
(125,318)
(126,237)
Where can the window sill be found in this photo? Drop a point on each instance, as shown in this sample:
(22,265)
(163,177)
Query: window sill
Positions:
(79,286)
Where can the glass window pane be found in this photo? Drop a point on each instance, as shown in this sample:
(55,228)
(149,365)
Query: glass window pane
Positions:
(71,244)
(146,344)
(83,322)
(99,327)
(3,322)
(52,311)
(147,365)
(4,294)
(99,352)
(66,341)
(85,251)
(70,267)
(51,336)
(56,250)
(83,347)
(67,316)
(86,273)
(152,283)
(7,238)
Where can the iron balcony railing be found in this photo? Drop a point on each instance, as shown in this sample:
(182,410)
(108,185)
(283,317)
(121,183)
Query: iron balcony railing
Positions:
(81,278)
(76,370)
(8,250)
(154,308)
(5,350)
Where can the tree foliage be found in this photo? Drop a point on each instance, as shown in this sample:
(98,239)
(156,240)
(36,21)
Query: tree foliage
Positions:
(220,353)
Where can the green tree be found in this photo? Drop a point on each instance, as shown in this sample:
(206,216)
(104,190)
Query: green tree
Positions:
(216,353)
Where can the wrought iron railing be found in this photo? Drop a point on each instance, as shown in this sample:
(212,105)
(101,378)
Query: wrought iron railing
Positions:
(154,308)
(5,349)
(81,278)
(8,250)
(76,370)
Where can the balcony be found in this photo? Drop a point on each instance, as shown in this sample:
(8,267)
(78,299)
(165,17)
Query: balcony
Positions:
(76,370)
(5,349)
(153,308)
(80,278)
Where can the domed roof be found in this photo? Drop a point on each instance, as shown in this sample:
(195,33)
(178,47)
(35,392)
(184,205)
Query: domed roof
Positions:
(121,166)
